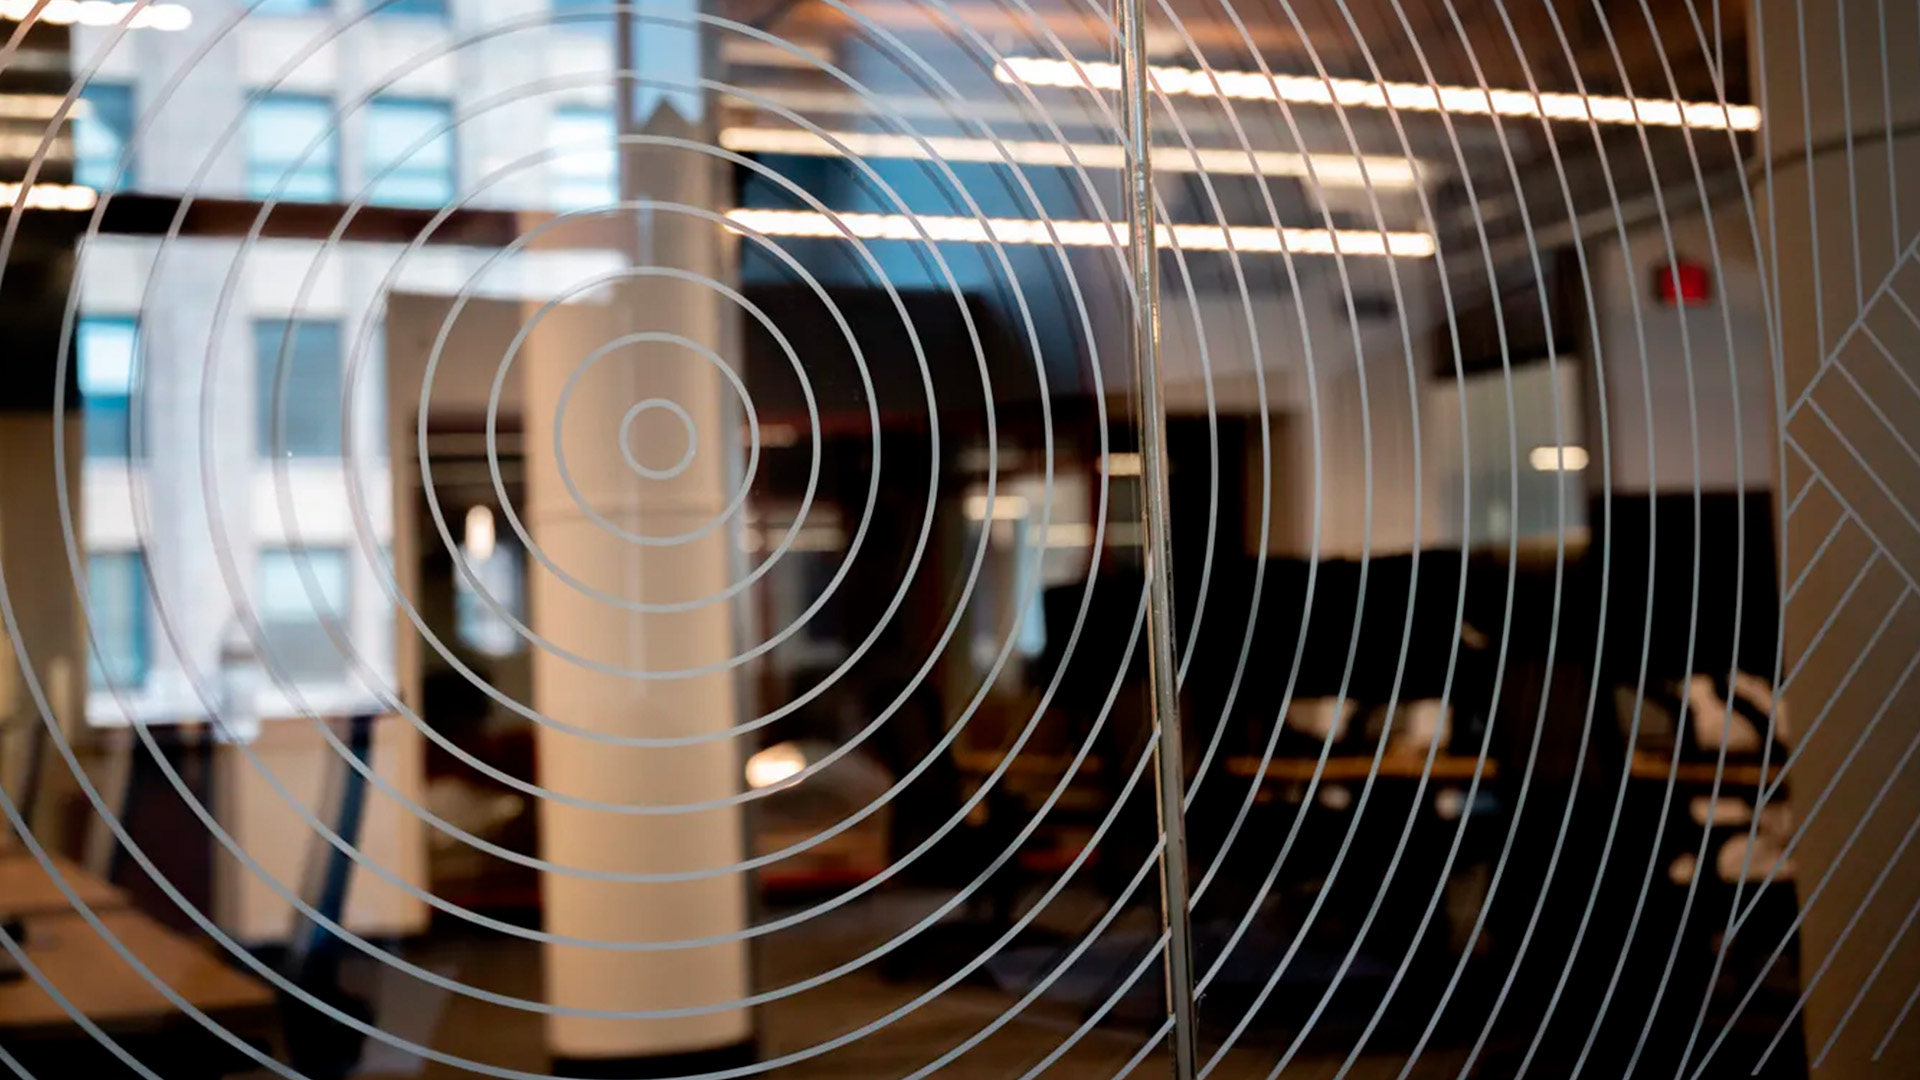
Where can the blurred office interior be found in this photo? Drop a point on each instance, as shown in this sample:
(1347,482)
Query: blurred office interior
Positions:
(551,537)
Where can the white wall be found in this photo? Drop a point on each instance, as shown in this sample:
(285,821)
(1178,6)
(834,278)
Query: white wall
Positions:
(1297,339)
(1374,494)
(1307,350)
(268,827)
(1648,368)
(1464,477)
(1322,364)
(1732,326)
(1487,484)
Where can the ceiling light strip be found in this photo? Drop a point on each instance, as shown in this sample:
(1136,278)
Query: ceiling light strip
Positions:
(1411,97)
(38,106)
(1334,170)
(99,13)
(49,197)
(1248,239)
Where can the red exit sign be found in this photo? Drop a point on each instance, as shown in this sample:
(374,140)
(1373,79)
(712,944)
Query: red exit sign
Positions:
(1682,284)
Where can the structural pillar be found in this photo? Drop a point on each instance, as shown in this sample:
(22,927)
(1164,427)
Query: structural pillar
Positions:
(36,414)
(631,429)
(1840,209)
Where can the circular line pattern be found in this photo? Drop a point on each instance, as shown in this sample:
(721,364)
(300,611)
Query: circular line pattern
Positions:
(919,236)
(673,409)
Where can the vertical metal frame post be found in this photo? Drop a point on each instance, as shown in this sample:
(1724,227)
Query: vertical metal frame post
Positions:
(1163,665)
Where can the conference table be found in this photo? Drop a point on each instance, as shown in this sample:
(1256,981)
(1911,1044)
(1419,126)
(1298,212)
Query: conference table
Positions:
(99,982)
(27,888)
(1394,765)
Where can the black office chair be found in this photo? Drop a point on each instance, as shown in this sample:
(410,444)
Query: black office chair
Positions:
(319,1046)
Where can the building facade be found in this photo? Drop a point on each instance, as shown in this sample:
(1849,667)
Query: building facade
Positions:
(236,488)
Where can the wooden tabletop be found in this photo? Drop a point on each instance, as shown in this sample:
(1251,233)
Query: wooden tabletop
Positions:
(1403,766)
(1394,765)
(1349,768)
(1734,774)
(107,990)
(27,889)
(1026,763)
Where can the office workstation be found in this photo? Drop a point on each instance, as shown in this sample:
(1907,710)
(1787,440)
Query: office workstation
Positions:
(980,539)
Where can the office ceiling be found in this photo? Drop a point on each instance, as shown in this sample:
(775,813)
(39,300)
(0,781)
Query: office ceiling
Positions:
(1502,180)
(1609,44)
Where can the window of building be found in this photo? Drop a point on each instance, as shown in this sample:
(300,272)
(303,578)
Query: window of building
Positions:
(297,383)
(585,171)
(586,16)
(295,590)
(293,7)
(428,9)
(106,349)
(410,152)
(491,589)
(281,148)
(117,619)
(101,131)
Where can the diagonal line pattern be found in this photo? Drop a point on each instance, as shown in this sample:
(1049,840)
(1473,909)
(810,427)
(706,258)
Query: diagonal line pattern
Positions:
(1849,424)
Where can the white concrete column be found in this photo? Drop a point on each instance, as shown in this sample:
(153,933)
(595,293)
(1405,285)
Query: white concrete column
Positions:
(577,767)
(186,534)
(645,437)
(1839,223)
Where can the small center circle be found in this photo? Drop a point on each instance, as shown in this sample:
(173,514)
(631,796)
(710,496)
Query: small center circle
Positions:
(626,438)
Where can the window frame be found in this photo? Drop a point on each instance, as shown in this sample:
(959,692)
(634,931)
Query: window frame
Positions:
(407,167)
(112,176)
(127,447)
(271,411)
(439,10)
(283,654)
(140,643)
(558,179)
(600,26)
(306,9)
(286,174)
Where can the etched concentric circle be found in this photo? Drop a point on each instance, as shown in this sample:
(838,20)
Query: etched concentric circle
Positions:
(672,408)
(667,538)
(686,423)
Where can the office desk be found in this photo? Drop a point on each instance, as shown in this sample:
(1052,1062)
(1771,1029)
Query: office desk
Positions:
(1734,775)
(1348,768)
(1458,768)
(27,889)
(107,990)
(1394,765)
(1028,763)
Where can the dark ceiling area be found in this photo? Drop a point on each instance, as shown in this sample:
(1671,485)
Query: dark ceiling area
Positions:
(1513,183)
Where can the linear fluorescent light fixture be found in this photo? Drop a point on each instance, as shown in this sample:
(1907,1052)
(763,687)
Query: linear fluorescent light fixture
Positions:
(99,13)
(998,508)
(1249,239)
(1558,458)
(774,765)
(480,541)
(1412,97)
(27,146)
(1333,170)
(49,197)
(1079,534)
(38,106)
